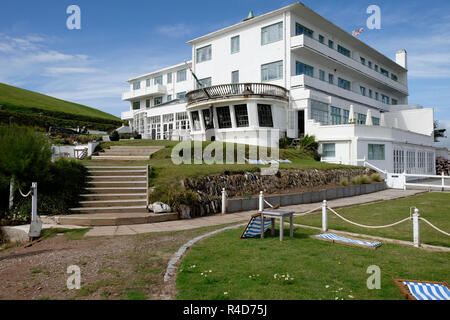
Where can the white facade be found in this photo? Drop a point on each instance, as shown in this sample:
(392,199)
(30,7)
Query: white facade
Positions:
(350,96)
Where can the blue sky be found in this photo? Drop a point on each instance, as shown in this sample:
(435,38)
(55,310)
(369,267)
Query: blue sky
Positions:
(122,39)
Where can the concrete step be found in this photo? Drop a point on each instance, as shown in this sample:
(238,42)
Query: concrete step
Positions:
(116,168)
(120,158)
(113,203)
(99,173)
(114,219)
(118,184)
(116,190)
(113,196)
(94,179)
(124,209)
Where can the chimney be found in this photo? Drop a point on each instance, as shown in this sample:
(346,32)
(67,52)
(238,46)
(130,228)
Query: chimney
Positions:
(401,57)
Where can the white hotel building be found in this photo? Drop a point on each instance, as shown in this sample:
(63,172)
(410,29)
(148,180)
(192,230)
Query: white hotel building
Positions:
(295,71)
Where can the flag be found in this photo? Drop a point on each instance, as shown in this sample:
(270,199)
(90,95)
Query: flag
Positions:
(193,74)
(357,32)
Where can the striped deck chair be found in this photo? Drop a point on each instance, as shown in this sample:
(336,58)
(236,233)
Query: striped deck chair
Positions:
(253,228)
(423,290)
(331,237)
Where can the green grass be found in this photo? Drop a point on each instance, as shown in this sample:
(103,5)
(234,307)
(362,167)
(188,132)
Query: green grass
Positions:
(13,98)
(246,268)
(72,234)
(434,207)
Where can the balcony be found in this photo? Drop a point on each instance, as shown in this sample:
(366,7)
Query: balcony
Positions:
(236,90)
(155,90)
(302,41)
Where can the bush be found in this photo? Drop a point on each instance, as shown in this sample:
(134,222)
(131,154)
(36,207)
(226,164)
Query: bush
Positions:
(114,136)
(375,177)
(137,135)
(365,179)
(309,145)
(357,180)
(174,197)
(126,135)
(284,142)
(344,182)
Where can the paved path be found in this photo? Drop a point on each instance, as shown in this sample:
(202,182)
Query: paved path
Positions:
(220,219)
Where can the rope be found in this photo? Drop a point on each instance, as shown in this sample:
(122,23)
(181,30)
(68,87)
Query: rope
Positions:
(307,212)
(268,203)
(369,227)
(434,227)
(24,195)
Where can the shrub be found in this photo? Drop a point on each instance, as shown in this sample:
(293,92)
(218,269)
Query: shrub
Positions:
(137,135)
(174,197)
(114,136)
(344,182)
(309,145)
(375,177)
(365,179)
(284,142)
(126,135)
(357,180)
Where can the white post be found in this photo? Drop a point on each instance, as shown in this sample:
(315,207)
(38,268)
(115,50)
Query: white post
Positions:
(443,181)
(224,201)
(324,216)
(261,201)
(34,202)
(416,229)
(404,179)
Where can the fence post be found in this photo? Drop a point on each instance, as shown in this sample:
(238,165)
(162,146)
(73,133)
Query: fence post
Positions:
(34,202)
(261,201)
(324,216)
(404,179)
(224,201)
(416,228)
(443,180)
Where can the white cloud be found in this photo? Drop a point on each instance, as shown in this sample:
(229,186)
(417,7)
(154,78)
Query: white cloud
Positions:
(175,30)
(69,70)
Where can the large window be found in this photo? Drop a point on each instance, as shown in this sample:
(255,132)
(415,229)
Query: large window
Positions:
(410,161)
(235,76)
(265,115)
(169,77)
(204,54)
(329,150)
(157,100)
(301,68)
(384,72)
(195,121)
(344,84)
(181,75)
(361,119)
(223,117)
(346,116)
(206,82)
(207,119)
(394,77)
(430,162)
(336,117)
(376,151)
(272,33)
(363,90)
(421,159)
(394,101)
(272,71)
(376,121)
(241,114)
(136,105)
(182,121)
(158,80)
(299,29)
(343,51)
(399,161)
(319,112)
(136,85)
(235,44)
(384,99)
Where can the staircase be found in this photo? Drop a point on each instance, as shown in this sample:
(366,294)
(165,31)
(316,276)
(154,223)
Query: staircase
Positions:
(127,153)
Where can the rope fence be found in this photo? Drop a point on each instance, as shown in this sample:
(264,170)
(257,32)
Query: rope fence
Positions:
(369,227)
(25,195)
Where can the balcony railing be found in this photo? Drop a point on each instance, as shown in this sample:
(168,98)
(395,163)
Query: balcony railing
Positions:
(244,90)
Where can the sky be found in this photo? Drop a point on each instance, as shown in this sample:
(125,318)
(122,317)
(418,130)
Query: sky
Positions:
(122,39)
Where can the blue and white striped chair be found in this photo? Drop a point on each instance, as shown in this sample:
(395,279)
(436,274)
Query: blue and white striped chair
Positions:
(423,290)
(253,228)
(344,240)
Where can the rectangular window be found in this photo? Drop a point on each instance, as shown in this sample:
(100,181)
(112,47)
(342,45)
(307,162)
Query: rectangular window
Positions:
(430,162)
(147,103)
(157,100)
(321,38)
(421,159)
(223,117)
(376,68)
(265,115)
(301,68)
(331,79)
(384,99)
(235,76)
(147,82)
(136,105)
(319,112)
(361,118)
(204,54)
(272,71)
(384,72)
(235,44)
(394,101)
(328,150)
(158,80)
(336,116)
(376,121)
(394,77)
(299,29)
(136,85)
(195,121)
(207,119)
(369,63)
(331,44)
(363,90)
(344,84)
(376,96)
(169,77)
(343,51)
(346,116)
(410,161)
(363,60)
(376,151)
(181,95)
(241,113)
(181,75)
(322,75)
(206,82)
(169,97)
(370,93)
(272,33)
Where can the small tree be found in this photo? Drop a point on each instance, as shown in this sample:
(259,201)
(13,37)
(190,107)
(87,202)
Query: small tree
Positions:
(438,133)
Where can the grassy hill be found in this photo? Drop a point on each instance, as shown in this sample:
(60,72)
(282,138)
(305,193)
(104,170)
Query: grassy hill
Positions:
(32,108)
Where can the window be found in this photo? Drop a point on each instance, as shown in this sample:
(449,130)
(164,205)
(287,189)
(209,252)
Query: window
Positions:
(344,84)
(394,77)
(322,75)
(376,151)
(181,95)
(136,85)
(321,38)
(204,54)
(384,72)
(394,101)
(158,80)
(331,44)
(181,75)
(335,116)
(430,162)
(346,116)
(272,71)
(157,100)
(136,105)
(147,82)
(384,99)
(399,161)
(363,60)
(376,96)
(376,121)
(319,112)
(301,68)
(376,68)
(361,118)
(410,160)
(206,82)
(182,121)
(195,121)
(169,77)
(369,63)
(421,159)
(272,33)
(299,29)
(147,103)
(370,93)
(363,90)
(240,111)
(223,117)
(169,97)
(235,76)
(343,51)
(168,117)
(328,150)
(331,78)
(265,115)
(207,119)
(235,44)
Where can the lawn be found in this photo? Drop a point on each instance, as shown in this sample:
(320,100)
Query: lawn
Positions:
(227,267)
(433,206)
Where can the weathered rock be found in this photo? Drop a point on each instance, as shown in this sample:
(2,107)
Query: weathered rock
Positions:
(159,207)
